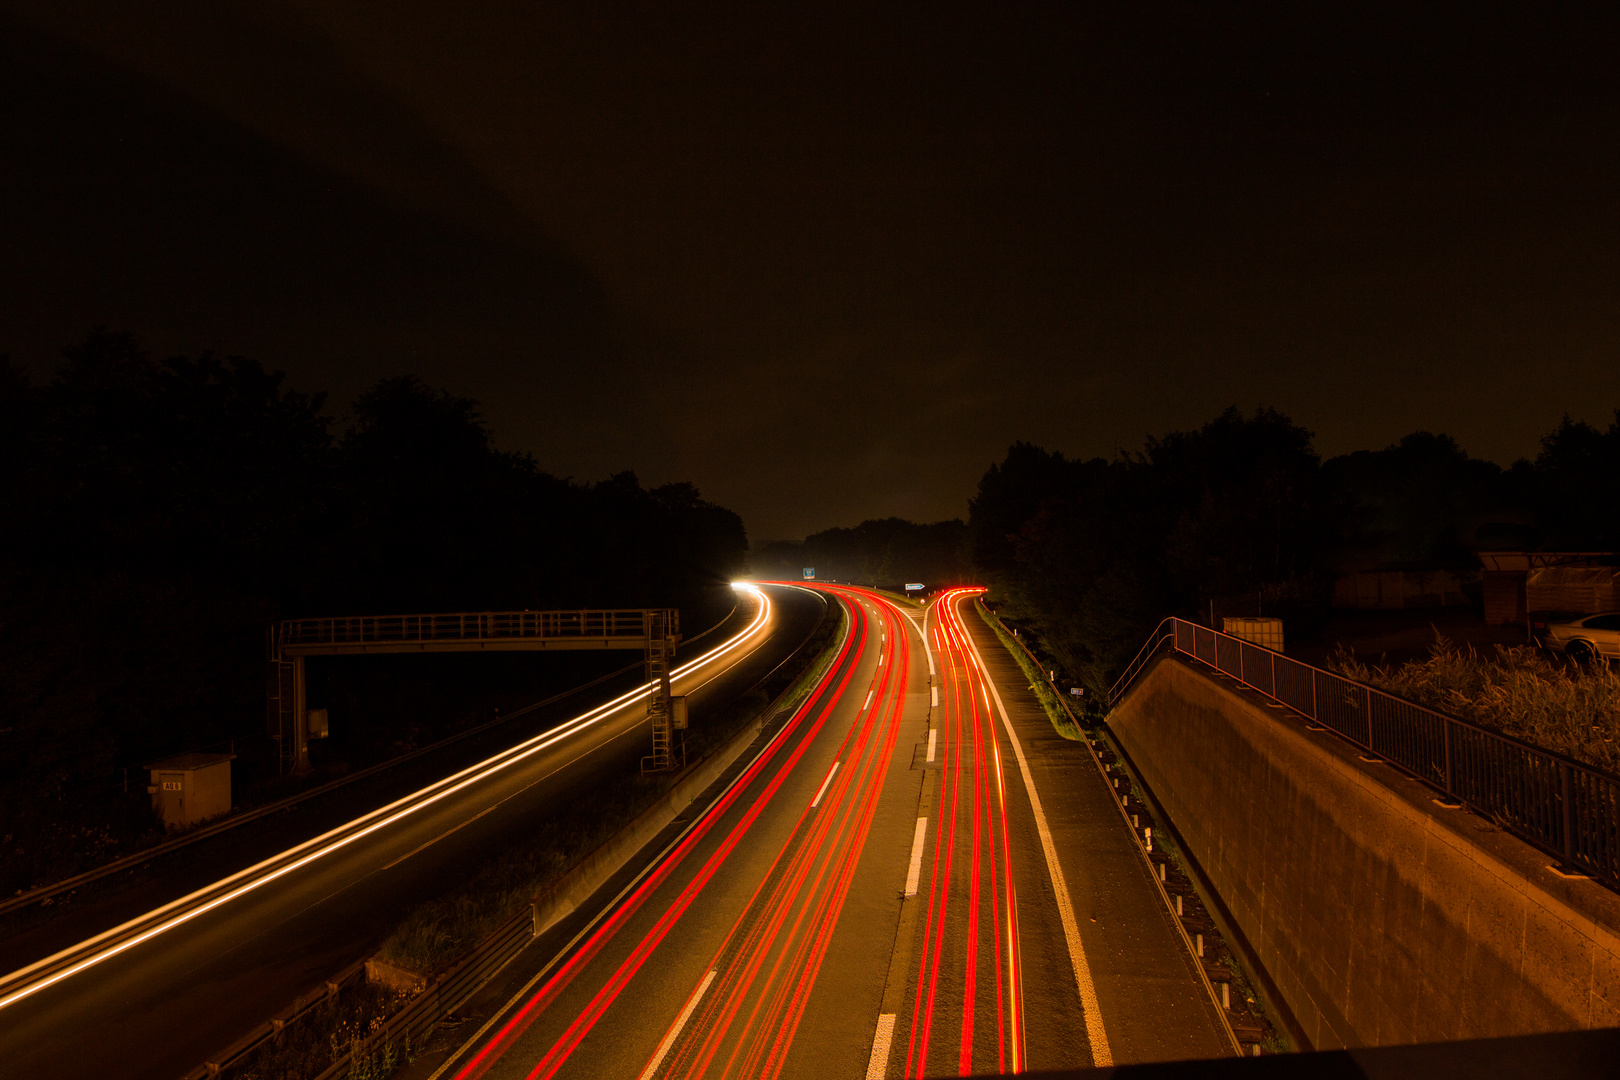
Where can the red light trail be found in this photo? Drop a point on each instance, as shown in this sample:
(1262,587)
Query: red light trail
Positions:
(985,860)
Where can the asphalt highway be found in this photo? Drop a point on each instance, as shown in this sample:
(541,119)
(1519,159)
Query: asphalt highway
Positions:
(153,996)
(757,941)
(873,890)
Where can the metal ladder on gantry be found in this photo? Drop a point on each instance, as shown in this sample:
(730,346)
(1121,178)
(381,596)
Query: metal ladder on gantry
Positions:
(654,631)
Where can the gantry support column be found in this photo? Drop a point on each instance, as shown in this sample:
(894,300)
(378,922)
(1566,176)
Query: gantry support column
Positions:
(300,731)
(660,714)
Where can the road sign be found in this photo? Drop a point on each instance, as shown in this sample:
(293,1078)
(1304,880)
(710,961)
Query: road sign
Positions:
(1075,691)
(809,573)
(914,587)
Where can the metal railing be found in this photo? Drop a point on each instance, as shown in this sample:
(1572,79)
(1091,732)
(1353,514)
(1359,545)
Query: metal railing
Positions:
(1565,808)
(469,626)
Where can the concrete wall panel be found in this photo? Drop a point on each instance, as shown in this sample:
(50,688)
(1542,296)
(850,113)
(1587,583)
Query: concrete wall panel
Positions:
(1382,917)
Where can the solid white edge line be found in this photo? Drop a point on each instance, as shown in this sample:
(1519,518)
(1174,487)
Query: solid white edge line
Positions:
(675,1031)
(335,840)
(878,1067)
(933,737)
(815,802)
(914,871)
(1101,1055)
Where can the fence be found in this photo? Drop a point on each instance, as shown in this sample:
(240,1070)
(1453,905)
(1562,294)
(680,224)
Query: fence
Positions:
(1569,810)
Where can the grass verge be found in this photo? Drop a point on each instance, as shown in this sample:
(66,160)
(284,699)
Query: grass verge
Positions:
(1062,722)
(1573,710)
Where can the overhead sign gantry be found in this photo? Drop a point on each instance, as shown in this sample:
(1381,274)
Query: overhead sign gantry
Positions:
(653,631)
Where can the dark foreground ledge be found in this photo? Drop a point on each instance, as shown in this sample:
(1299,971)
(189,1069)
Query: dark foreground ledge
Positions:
(1563,1056)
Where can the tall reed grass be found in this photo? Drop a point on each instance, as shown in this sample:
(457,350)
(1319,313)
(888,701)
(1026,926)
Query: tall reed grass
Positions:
(1518,691)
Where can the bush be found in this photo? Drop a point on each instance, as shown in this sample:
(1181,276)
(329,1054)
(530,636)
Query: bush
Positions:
(1571,710)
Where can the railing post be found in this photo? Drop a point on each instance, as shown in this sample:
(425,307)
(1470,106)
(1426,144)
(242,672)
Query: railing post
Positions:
(1316,710)
(1566,781)
(1445,726)
(1368,694)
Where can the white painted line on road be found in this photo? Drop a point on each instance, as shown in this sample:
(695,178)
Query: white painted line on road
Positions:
(868,704)
(1101,1055)
(815,802)
(933,737)
(935,689)
(878,1067)
(675,1032)
(914,873)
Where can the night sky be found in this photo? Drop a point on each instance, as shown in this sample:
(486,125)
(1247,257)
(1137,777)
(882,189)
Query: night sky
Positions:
(827,262)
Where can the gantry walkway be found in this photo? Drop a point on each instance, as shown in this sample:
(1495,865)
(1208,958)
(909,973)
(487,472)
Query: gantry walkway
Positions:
(653,631)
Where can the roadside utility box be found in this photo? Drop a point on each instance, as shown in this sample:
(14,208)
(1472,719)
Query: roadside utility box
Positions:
(189,788)
(1267,633)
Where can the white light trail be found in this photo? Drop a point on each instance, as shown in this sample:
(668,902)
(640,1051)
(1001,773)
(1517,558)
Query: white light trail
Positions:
(30,980)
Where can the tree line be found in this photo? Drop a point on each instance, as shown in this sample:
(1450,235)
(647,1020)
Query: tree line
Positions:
(159,514)
(886,552)
(1093,553)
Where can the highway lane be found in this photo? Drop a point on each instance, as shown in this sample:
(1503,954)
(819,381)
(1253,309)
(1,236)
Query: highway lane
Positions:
(154,1004)
(994,983)
(38,931)
(964,1010)
(757,941)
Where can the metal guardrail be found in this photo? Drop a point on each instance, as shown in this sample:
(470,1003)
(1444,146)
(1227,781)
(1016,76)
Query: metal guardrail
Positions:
(1565,808)
(468,626)
(442,996)
(409,1024)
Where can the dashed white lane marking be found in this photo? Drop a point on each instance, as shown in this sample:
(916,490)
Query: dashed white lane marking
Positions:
(675,1032)
(914,873)
(933,737)
(935,689)
(1101,1055)
(815,802)
(868,704)
(878,1067)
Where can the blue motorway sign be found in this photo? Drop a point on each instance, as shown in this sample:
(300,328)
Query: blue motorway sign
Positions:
(809,573)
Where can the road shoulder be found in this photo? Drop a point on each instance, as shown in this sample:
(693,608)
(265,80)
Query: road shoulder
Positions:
(1153,1004)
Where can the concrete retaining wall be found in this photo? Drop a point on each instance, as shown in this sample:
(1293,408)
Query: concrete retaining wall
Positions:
(1382,917)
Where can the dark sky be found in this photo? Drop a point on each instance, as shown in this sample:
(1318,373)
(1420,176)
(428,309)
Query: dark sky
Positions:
(827,261)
